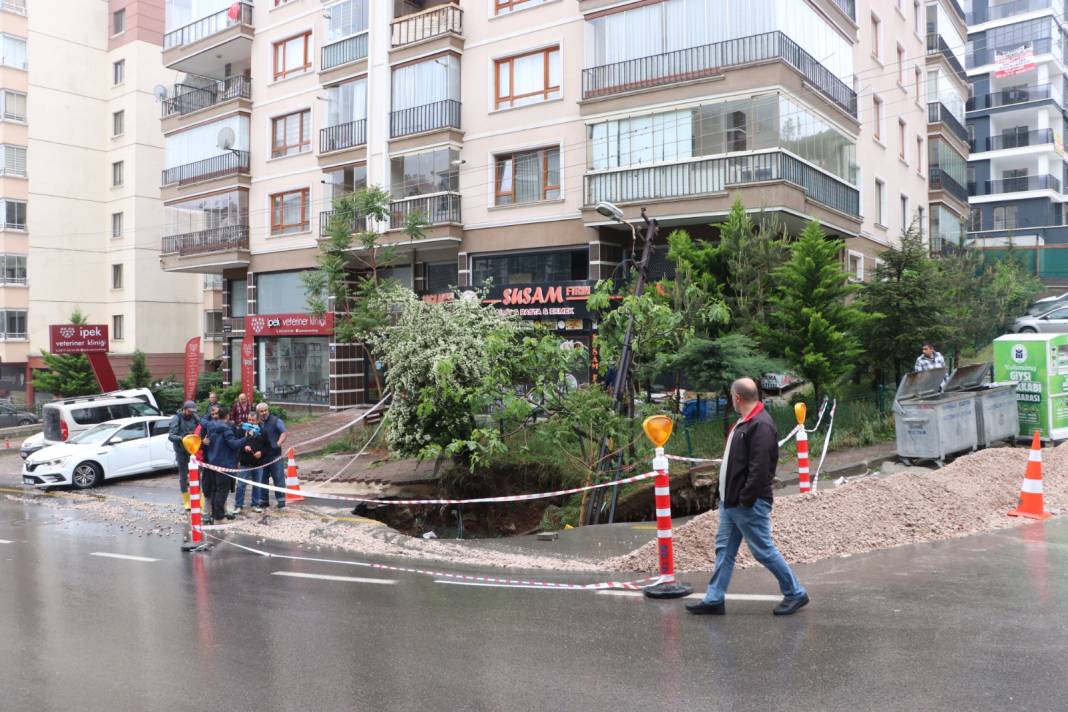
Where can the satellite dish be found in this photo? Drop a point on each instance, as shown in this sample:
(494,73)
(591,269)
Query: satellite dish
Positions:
(160,92)
(226,138)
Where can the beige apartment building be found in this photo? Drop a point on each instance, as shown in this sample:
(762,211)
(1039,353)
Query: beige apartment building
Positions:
(82,151)
(504,123)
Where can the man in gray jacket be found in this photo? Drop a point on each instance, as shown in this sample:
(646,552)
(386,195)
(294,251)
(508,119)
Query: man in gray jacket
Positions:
(184,422)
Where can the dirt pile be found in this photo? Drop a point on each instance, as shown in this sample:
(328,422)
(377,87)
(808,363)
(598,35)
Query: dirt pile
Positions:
(971,494)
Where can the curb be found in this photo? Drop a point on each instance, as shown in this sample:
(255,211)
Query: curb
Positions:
(857,468)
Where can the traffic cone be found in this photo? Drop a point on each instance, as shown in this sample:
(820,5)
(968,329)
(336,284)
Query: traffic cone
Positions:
(292,483)
(1031,503)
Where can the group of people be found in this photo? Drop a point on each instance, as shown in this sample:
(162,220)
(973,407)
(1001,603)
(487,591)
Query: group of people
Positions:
(241,437)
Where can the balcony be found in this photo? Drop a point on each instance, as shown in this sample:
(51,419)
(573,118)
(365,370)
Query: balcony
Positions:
(16,6)
(195,99)
(336,138)
(350,49)
(936,44)
(716,175)
(1007,9)
(940,180)
(938,113)
(227,34)
(1009,97)
(1019,140)
(208,251)
(849,7)
(436,209)
(687,65)
(987,55)
(429,117)
(437,21)
(356,224)
(1022,184)
(221,166)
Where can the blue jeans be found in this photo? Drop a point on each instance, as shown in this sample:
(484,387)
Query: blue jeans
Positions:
(254,476)
(754,525)
(275,474)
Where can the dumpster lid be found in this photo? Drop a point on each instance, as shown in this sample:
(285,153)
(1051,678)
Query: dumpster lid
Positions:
(921,384)
(968,378)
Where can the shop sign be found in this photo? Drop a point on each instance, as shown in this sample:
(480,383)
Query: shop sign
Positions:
(561,303)
(192,367)
(289,324)
(248,366)
(1016,61)
(78,338)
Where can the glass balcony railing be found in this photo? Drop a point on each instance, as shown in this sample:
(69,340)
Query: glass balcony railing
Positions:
(220,166)
(940,180)
(936,44)
(195,99)
(1008,97)
(709,60)
(1009,9)
(344,51)
(1021,184)
(988,55)
(437,209)
(417,119)
(240,13)
(715,175)
(424,25)
(335,138)
(217,239)
(1019,139)
(938,113)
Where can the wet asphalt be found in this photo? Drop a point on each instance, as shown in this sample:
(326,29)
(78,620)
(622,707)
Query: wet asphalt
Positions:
(977,623)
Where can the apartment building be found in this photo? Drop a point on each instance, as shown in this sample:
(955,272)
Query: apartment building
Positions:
(1016,64)
(503,123)
(82,149)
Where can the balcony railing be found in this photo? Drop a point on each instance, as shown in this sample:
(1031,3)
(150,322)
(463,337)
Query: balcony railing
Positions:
(186,102)
(344,51)
(230,163)
(709,60)
(1007,9)
(240,13)
(938,113)
(940,180)
(1019,140)
(987,55)
(436,209)
(216,239)
(335,138)
(439,115)
(1024,183)
(16,6)
(1008,97)
(356,223)
(715,175)
(849,7)
(426,24)
(936,44)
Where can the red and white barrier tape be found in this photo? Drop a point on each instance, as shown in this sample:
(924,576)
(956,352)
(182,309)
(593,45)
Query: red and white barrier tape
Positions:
(335,431)
(635,585)
(680,458)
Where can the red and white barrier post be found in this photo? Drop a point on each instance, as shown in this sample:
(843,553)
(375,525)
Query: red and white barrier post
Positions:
(658,430)
(804,479)
(196,539)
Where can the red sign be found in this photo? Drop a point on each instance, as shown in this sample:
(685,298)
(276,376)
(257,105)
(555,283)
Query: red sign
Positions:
(192,366)
(78,338)
(234,11)
(289,324)
(1012,62)
(248,366)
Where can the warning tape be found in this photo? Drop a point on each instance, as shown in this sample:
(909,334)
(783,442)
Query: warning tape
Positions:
(680,458)
(635,585)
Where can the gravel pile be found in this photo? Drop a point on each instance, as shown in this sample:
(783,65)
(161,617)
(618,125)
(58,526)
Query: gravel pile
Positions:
(970,495)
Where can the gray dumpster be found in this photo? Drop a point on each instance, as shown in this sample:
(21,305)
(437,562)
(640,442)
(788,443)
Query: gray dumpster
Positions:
(931,425)
(996,412)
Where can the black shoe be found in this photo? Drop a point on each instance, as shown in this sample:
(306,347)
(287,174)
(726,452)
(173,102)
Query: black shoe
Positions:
(231,515)
(706,609)
(208,521)
(280,505)
(790,606)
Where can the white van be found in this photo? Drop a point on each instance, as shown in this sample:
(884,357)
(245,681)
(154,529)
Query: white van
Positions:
(66,418)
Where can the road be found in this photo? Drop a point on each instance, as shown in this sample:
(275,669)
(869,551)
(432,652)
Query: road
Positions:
(977,623)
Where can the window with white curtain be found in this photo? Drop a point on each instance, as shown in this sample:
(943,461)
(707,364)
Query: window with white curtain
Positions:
(528,176)
(347,18)
(528,78)
(201,142)
(14,106)
(346,102)
(426,82)
(14,51)
(14,160)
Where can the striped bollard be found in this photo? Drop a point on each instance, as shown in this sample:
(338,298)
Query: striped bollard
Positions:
(197,537)
(658,429)
(804,481)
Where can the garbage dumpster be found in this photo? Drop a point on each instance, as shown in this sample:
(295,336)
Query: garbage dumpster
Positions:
(997,415)
(931,425)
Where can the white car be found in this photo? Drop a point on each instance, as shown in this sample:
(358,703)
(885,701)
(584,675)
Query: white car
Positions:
(118,448)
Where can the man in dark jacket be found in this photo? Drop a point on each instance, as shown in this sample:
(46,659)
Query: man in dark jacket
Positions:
(222,446)
(250,459)
(746,479)
(183,423)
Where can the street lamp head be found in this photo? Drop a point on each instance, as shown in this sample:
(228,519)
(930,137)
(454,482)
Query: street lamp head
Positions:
(610,211)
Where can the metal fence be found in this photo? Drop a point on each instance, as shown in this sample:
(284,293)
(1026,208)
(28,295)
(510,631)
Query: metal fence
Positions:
(335,138)
(208,26)
(231,237)
(187,102)
(440,114)
(938,113)
(435,209)
(207,169)
(344,51)
(424,25)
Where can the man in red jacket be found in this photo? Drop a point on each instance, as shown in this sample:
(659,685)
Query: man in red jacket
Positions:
(746,481)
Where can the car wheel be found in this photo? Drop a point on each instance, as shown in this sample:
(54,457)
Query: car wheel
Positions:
(25,421)
(86,475)
(1028,330)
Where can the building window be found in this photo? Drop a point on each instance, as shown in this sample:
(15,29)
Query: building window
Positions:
(528,78)
(14,269)
(14,161)
(919,153)
(900,65)
(118,123)
(920,221)
(917,78)
(292,56)
(343,181)
(1004,218)
(528,176)
(118,72)
(289,212)
(347,18)
(531,267)
(502,7)
(855,266)
(118,22)
(14,215)
(880,202)
(116,224)
(14,106)
(875,29)
(213,282)
(14,51)
(901,139)
(14,323)
(291,134)
(116,276)
(213,324)
(118,332)
(238,298)
(281,293)
(916,17)
(975,220)
(877,118)
(904,212)
(116,174)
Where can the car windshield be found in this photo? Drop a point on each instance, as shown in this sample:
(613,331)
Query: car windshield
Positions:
(94,435)
(144,409)
(1040,308)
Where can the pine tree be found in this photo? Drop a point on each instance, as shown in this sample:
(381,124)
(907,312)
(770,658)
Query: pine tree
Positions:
(138,376)
(811,321)
(67,375)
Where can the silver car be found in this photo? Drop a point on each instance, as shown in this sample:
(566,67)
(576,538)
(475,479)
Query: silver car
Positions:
(1054,321)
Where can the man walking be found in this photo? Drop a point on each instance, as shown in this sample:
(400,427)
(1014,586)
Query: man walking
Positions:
(929,359)
(183,423)
(274,433)
(745,499)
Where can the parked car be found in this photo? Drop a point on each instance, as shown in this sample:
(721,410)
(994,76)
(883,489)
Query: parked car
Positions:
(63,419)
(779,382)
(10,416)
(31,445)
(1055,321)
(119,448)
(1042,306)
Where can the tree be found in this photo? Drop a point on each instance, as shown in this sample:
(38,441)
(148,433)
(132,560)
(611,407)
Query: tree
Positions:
(811,320)
(713,363)
(67,375)
(138,376)
(751,252)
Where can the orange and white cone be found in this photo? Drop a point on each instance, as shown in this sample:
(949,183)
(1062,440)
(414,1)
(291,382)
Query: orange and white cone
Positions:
(292,483)
(1031,501)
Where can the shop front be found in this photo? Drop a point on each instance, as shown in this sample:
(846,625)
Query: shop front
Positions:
(292,356)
